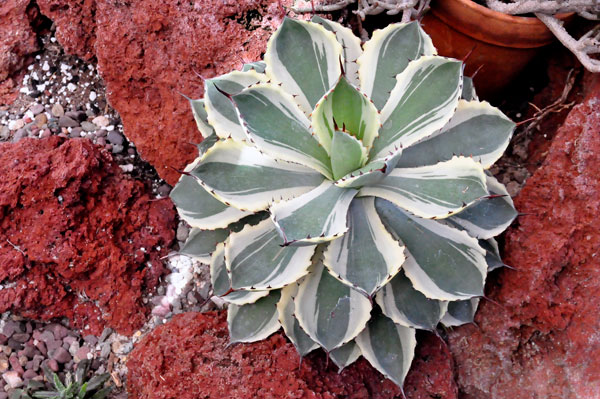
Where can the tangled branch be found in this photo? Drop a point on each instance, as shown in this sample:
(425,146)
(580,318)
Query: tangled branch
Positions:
(583,48)
(410,9)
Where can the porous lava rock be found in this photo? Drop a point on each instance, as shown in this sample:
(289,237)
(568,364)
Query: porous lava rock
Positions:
(78,238)
(149,52)
(542,340)
(17,42)
(189,357)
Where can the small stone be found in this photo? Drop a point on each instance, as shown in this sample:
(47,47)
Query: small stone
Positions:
(16,124)
(41,347)
(11,327)
(101,133)
(37,109)
(89,126)
(101,141)
(14,345)
(4,133)
(513,188)
(91,339)
(36,362)
(115,138)
(105,350)
(29,374)
(82,353)
(3,339)
(3,395)
(191,298)
(40,120)
(101,121)
(4,364)
(105,334)
(12,379)
(75,132)
(58,330)
(46,336)
(21,337)
(116,149)
(57,110)
(53,364)
(69,340)
(15,364)
(182,232)
(19,134)
(65,121)
(61,355)
(164,190)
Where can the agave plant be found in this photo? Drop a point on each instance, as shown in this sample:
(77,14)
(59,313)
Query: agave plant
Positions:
(74,387)
(341,192)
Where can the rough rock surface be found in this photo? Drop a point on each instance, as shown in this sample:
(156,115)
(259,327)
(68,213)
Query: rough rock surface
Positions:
(150,51)
(189,358)
(78,238)
(543,340)
(17,42)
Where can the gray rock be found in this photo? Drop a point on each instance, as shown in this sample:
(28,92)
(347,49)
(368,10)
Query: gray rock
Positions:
(58,330)
(182,232)
(69,340)
(75,132)
(105,334)
(61,355)
(52,364)
(164,190)
(101,141)
(65,121)
(20,134)
(14,345)
(101,133)
(37,109)
(91,339)
(21,337)
(115,138)
(37,361)
(53,345)
(4,133)
(116,149)
(105,350)
(29,374)
(58,110)
(11,327)
(89,126)
(45,336)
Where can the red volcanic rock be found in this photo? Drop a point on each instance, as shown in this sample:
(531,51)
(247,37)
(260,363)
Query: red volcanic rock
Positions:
(543,341)
(189,357)
(72,229)
(150,51)
(17,42)
(75,24)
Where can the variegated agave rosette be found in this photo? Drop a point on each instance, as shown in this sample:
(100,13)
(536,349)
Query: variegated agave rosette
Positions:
(341,192)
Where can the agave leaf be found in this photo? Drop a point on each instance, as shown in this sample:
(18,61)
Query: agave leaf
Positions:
(345,355)
(240,175)
(345,107)
(258,66)
(388,346)
(347,154)
(101,394)
(435,191)
(367,256)
(242,297)
(219,278)
(304,345)
(97,381)
(460,312)
(305,58)
(207,143)
(45,394)
(219,109)
(331,313)
(277,126)
(422,102)
(492,254)
(445,263)
(202,243)
(468,90)
(81,371)
(315,217)
(256,259)
(387,54)
(255,321)
(200,116)
(408,307)
(477,130)
(58,384)
(82,391)
(488,217)
(351,49)
(199,208)
(371,173)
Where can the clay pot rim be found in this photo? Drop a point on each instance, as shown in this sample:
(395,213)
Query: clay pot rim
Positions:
(499,29)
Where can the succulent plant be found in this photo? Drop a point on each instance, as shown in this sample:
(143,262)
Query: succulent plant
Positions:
(74,387)
(341,192)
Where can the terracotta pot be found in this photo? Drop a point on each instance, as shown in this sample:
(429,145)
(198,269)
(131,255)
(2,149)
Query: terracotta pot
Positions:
(502,45)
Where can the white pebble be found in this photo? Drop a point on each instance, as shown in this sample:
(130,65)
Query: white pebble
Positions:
(110,128)
(45,67)
(53,39)
(41,87)
(71,87)
(126,168)
(93,95)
